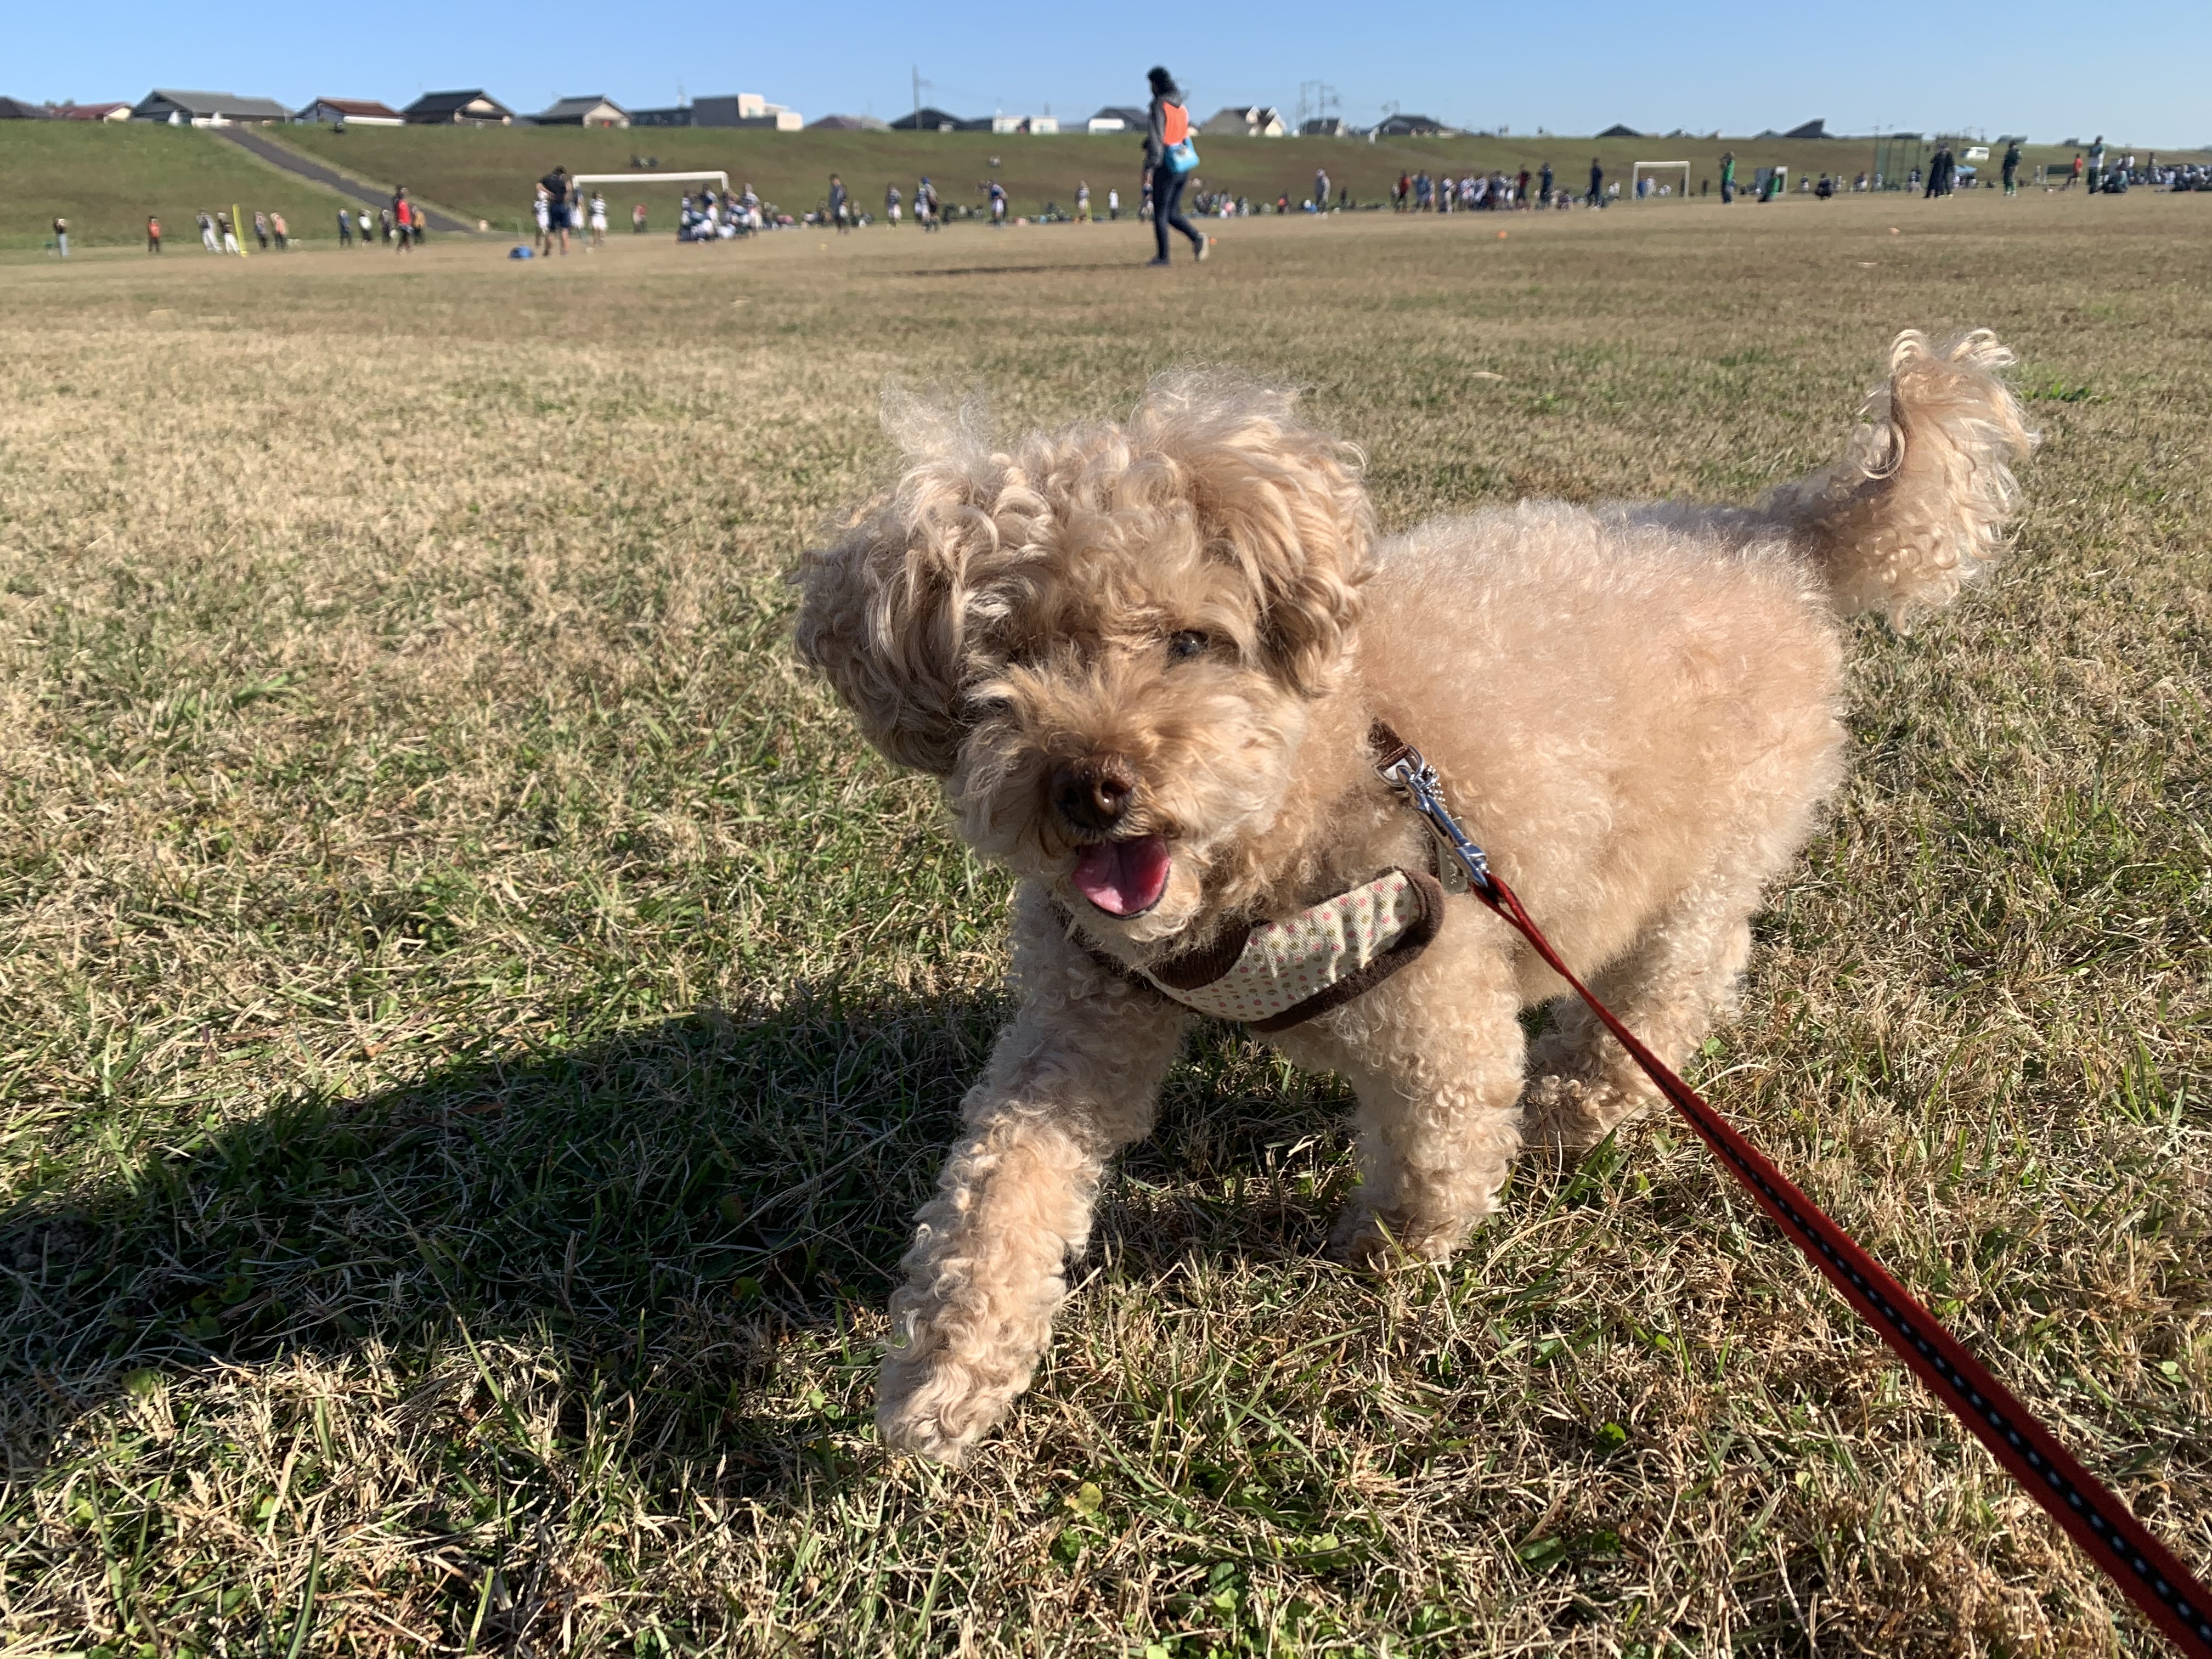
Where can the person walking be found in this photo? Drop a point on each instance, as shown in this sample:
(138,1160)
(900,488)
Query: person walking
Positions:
(837,203)
(893,205)
(598,219)
(153,234)
(1596,197)
(558,194)
(402,217)
(1167,126)
(2012,167)
(1320,190)
(1728,177)
(345,229)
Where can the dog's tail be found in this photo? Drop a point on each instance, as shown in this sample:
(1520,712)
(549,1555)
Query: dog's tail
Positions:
(1919,503)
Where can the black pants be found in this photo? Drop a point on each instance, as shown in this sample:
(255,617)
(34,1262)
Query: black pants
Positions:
(1167,208)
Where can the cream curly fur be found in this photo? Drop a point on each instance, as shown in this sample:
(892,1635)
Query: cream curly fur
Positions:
(1635,708)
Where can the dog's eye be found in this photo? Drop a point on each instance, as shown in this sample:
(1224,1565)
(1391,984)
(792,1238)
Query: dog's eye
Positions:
(1188,643)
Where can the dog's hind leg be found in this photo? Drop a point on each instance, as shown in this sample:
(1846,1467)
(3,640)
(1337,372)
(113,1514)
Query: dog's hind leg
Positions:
(1072,1080)
(1434,1057)
(1676,984)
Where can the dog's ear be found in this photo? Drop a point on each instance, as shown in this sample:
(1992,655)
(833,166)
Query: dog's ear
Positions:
(1280,501)
(883,607)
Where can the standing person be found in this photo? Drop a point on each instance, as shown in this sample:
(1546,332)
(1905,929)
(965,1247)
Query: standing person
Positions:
(2012,167)
(61,236)
(1320,190)
(207,233)
(261,228)
(637,220)
(153,234)
(280,231)
(1544,181)
(1167,124)
(403,217)
(1596,198)
(1113,204)
(345,229)
(558,192)
(1402,195)
(837,203)
(1521,197)
(893,205)
(1728,177)
(2097,164)
(924,205)
(998,192)
(542,209)
(1082,202)
(598,219)
(223,229)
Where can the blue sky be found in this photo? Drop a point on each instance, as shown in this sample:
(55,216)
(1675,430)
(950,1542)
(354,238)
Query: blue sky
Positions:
(2053,71)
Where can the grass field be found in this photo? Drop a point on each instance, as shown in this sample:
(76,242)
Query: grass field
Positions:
(474,1022)
(105,178)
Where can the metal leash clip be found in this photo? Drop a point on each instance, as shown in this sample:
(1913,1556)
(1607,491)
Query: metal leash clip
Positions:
(1461,865)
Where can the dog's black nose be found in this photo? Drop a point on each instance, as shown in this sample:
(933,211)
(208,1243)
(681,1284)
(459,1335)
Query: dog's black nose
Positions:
(1094,794)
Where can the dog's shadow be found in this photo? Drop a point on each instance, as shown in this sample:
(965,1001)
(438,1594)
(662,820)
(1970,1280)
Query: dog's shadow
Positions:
(650,1216)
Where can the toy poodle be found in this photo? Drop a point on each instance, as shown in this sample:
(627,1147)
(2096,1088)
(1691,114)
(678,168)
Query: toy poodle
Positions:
(1143,660)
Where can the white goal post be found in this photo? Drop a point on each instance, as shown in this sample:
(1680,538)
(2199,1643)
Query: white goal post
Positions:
(1637,172)
(653,176)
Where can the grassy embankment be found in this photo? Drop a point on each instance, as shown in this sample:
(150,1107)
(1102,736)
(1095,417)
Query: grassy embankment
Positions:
(475,1023)
(488,172)
(105,178)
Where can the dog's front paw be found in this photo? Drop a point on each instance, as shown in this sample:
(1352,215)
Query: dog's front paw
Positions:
(1376,1242)
(1572,1114)
(937,1398)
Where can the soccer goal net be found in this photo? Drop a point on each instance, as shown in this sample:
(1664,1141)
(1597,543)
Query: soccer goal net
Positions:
(1662,183)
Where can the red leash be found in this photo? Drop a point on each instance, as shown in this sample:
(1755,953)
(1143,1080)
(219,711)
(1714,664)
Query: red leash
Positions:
(2154,1579)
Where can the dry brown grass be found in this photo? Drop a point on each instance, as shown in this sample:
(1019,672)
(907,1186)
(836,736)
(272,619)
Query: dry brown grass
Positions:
(476,1023)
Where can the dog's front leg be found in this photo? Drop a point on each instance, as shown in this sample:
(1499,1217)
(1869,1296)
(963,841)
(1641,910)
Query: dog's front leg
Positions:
(1434,1057)
(1072,1080)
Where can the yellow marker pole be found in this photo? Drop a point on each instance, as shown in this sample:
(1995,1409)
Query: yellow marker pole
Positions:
(238,229)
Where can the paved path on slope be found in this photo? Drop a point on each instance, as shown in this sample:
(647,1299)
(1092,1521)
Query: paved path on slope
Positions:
(330,178)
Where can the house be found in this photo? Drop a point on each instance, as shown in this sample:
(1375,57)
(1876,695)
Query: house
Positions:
(1620,129)
(1810,130)
(474,109)
(743,109)
(1325,126)
(1119,118)
(14,109)
(90,112)
(336,112)
(1408,126)
(926,119)
(849,123)
(596,110)
(206,109)
(1244,121)
(676,115)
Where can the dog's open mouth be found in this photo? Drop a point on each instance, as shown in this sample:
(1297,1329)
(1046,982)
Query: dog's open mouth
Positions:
(1123,877)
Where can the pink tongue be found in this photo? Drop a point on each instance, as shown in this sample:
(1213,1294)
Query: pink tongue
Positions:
(1123,877)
